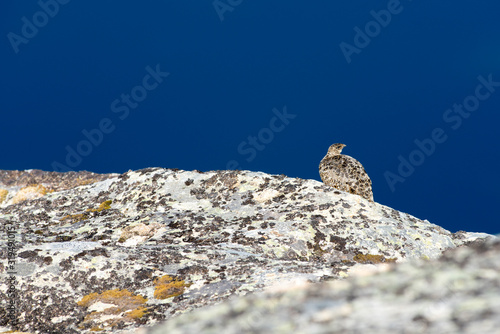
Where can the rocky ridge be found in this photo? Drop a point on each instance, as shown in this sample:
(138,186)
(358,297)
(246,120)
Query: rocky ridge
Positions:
(116,252)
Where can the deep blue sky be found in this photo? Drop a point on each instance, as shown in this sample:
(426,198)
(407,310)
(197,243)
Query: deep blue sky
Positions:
(226,77)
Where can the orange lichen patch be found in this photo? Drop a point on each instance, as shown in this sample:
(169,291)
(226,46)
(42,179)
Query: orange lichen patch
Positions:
(75,218)
(111,306)
(3,195)
(103,206)
(121,298)
(167,287)
(88,299)
(374,259)
(137,313)
(82,216)
(30,192)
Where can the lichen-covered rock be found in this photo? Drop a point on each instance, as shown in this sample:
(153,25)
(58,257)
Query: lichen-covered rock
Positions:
(459,293)
(145,246)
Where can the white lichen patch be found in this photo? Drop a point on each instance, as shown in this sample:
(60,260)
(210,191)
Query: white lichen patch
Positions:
(56,320)
(266,195)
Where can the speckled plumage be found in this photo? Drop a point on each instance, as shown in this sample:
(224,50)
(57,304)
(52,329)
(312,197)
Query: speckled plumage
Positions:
(345,173)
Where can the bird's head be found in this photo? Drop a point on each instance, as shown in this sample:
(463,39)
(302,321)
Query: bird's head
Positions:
(335,149)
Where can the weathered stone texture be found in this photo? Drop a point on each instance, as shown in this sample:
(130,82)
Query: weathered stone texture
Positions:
(111,252)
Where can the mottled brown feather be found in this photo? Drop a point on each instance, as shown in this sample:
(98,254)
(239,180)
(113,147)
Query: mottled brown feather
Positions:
(345,173)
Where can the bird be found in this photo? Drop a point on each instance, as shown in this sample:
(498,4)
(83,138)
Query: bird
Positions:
(345,173)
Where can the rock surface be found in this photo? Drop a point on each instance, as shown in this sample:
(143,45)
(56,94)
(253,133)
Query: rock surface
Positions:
(459,293)
(116,252)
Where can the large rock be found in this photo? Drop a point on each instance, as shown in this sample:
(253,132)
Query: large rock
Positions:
(111,252)
(459,293)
